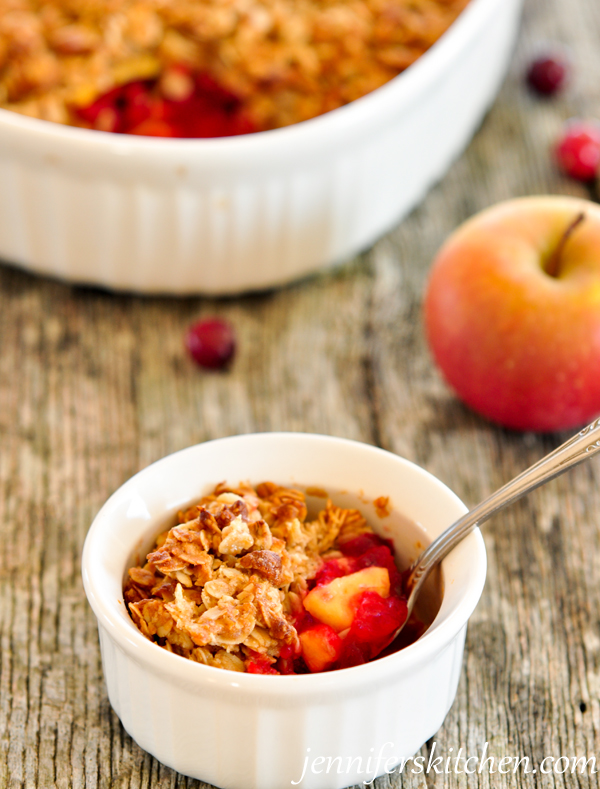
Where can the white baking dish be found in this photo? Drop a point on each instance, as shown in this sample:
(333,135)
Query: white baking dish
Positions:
(227,215)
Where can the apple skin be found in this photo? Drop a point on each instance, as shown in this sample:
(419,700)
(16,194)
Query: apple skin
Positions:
(519,346)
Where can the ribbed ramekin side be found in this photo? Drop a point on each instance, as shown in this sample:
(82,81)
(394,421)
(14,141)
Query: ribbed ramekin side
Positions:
(251,743)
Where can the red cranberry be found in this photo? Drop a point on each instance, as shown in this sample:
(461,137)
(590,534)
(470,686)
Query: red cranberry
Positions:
(578,150)
(211,342)
(258,664)
(548,73)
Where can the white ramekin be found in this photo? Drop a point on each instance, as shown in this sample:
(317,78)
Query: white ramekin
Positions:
(243,731)
(244,213)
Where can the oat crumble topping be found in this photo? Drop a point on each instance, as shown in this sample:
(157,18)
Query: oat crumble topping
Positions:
(223,586)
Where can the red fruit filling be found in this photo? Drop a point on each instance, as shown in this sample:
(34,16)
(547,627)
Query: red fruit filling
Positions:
(334,568)
(375,617)
(259,664)
(195,106)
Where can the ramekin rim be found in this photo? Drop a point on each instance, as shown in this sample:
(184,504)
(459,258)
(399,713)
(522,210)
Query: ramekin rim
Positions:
(181,669)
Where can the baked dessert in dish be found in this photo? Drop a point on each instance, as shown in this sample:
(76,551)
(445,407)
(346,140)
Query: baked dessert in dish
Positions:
(183,68)
(245,581)
(211,724)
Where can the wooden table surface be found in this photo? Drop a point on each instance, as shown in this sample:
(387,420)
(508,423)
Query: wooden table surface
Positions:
(95,386)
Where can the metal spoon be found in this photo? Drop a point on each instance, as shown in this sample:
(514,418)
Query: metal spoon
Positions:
(577,449)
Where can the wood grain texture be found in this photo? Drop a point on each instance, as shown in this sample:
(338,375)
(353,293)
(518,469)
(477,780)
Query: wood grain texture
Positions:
(95,386)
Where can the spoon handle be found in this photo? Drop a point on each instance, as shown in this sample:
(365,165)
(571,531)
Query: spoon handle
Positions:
(580,447)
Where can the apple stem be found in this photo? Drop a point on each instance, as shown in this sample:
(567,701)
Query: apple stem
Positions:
(552,266)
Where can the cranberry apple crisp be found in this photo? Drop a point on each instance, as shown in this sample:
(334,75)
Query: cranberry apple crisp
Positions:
(245,582)
(205,68)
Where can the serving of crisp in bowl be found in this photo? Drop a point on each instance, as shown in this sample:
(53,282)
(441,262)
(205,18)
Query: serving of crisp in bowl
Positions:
(326,152)
(208,642)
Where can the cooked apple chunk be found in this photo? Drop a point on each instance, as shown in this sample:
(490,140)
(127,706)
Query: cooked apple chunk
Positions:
(332,603)
(321,647)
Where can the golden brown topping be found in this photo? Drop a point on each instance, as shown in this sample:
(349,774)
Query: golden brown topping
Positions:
(227,623)
(236,538)
(152,617)
(262,535)
(267,563)
(270,612)
(288,60)
(382,506)
(73,39)
(223,585)
(142,577)
(183,556)
(228,582)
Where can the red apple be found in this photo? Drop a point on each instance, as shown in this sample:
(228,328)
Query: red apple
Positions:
(512,312)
